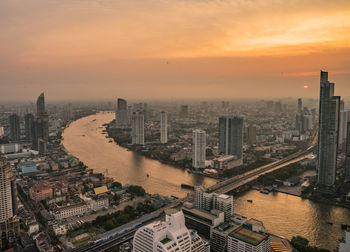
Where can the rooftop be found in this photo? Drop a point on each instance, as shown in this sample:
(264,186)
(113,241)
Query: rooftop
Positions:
(100,190)
(249,236)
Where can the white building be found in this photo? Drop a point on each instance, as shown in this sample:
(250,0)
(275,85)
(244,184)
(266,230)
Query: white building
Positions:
(163,127)
(345,246)
(198,149)
(2,132)
(171,235)
(68,211)
(137,128)
(208,201)
(99,204)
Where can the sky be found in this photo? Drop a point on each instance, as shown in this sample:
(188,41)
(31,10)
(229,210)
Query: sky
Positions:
(172,49)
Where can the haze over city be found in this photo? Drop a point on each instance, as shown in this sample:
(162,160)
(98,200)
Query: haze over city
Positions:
(182,49)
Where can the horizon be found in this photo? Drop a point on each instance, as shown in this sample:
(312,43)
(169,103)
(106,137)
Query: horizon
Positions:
(83,50)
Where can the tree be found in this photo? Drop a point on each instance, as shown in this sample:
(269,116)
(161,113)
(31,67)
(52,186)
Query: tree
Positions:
(137,190)
(116,184)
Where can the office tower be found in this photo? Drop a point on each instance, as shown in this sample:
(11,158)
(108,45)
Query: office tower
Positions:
(327,132)
(231,136)
(278,107)
(251,134)
(163,127)
(300,105)
(184,111)
(168,235)
(40,105)
(9,225)
(137,128)
(209,201)
(198,149)
(15,131)
(343,120)
(28,120)
(122,113)
(40,130)
(347,160)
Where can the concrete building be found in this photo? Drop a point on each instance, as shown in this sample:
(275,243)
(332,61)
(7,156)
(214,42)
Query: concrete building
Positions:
(163,127)
(2,131)
(121,114)
(9,225)
(40,105)
(184,111)
(227,162)
(10,148)
(251,135)
(327,133)
(231,136)
(40,191)
(28,121)
(343,120)
(69,211)
(245,239)
(199,149)
(137,128)
(209,201)
(15,131)
(171,235)
(347,160)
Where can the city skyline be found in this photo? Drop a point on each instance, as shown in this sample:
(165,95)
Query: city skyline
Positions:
(217,49)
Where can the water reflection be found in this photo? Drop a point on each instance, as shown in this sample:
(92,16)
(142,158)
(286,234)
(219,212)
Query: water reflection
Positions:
(125,166)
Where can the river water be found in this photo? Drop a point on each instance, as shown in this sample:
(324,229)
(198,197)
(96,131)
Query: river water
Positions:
(282,214)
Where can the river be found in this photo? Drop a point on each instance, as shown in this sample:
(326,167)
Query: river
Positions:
(282,214)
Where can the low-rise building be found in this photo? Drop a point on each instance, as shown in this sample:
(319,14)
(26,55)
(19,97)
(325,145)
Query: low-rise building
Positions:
(227,162)
(40,191)
(69,211)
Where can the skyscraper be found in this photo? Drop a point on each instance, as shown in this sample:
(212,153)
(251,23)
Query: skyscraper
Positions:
(300,105)
(198,149)
(251,134)
(171,235)
(40,105)
(28,120)
(231,136)
(184,111)
(122,113)
(328,132)
(8,202)
(347,160)
(15,131)
(137,128)
(163,127)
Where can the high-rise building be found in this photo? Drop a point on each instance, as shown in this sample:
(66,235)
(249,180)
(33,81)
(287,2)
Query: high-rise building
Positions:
(137,128)
(40,105)
(184,111)
(347,161)
(251,134)
(40,130)
(300,105)
(171,235)
(9,225)
(198,149)
(28,121)
(163,127)
(208,201)
(2,131)
(343,120)
(122,119)
(328,132)
(231,136)
(15,130)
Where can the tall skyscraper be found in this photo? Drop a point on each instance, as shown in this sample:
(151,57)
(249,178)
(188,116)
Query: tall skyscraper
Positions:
(15,131)
(251,134)
(171,235)
(8,202)
(328,132)
(28,121)
(198,149)
(231,136)
(40,105)
(300,105)
(347,160)
(184,111)
(122,113)
(137,128)
(163,127)
(40,126)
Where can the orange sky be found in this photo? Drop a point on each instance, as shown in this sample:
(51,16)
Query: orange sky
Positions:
(91,49)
